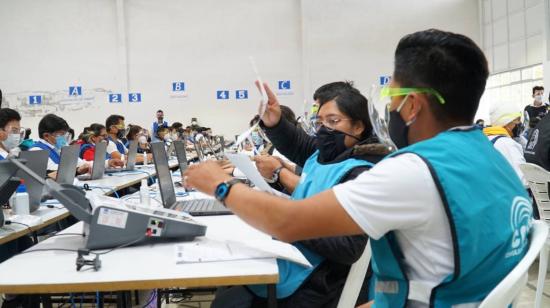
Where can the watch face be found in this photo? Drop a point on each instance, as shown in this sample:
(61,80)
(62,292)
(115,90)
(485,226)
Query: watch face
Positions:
(221,191)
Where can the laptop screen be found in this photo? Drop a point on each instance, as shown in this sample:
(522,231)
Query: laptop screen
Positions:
(132,152)
(181,154)
(67,165)
(98,168)
(37,161)
(166,186)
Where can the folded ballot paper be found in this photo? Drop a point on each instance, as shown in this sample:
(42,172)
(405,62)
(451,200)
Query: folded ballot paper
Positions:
(211,250)
(245,165)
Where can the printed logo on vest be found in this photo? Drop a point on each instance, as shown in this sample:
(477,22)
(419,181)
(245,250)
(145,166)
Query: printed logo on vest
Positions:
(520,221)
(389,287)
(533,140)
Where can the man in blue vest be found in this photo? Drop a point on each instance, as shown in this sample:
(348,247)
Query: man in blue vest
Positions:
(158,124)
(11,133)
(447,216)
(54,134)
(117,133)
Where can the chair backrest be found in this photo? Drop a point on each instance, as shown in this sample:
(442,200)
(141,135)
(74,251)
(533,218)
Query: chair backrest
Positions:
(538,179)
(508,290)
(355,279)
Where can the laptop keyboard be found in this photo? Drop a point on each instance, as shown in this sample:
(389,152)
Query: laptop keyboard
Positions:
(198,205)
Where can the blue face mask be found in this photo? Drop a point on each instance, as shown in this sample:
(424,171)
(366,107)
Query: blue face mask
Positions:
(60,141)
(257,138)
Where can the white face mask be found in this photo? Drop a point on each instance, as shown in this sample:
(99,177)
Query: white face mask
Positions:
(142,139)
(12,141)
(167,137)
(538,98)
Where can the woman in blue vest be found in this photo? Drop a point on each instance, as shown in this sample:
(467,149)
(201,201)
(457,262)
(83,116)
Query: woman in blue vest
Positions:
(447,216)
(91,136)
(339,153)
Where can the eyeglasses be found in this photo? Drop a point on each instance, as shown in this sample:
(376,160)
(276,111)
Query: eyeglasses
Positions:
(329,123)
(15,130)
(391,92)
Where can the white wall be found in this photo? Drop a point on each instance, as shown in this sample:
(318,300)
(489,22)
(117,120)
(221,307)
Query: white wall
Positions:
(50,45)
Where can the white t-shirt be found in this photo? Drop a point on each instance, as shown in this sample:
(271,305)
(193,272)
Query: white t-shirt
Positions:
(111,147)
(399,194)
(52,166)
(513,152)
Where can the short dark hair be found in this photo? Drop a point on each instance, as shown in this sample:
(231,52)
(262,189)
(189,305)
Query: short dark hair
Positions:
(330,91)
(113,120)
(133,131)
(176,125)
(160,111)
(351,103)
(51,123)
(7,115)
(450,63)
(288,114)
(537,88)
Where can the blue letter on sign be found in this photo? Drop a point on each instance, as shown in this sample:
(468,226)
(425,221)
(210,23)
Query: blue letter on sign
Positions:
(284,84)
(75,91)
(115,98)
(178,86)
(241,94)
(134,97)
(222,94)
(35,100)
(384,80)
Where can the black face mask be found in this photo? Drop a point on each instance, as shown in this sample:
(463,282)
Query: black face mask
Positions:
(517,130)
(398,130)
(120,134)
(331,143)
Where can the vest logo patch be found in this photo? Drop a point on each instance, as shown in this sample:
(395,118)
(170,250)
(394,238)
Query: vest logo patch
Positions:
(389,287)
(520,221)
(533,140)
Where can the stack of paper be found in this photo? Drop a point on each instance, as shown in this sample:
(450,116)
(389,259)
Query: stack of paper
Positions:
(210,250)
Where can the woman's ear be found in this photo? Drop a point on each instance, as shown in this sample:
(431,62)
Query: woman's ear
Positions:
(3,135)
(358,128)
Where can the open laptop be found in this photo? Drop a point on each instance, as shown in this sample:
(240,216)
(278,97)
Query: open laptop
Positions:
(130,162)
(67,164)
(196,207)
(99,163)
(181,154)
(37,161)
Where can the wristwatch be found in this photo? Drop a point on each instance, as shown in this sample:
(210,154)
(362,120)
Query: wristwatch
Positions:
(275,177)
(222,190)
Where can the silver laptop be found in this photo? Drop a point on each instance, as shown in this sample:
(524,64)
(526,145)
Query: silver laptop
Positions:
(181,154)
(196,207)
(99,163)
(67,164)
(37,161)
(130,162)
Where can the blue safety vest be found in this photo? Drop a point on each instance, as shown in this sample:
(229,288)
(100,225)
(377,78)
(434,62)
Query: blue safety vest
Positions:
(119,145)
(52,153)
(315,178)
(85,147)
(489,214)
(156,126)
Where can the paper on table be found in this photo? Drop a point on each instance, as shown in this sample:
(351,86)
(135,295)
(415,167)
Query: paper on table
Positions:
(210,250)
(243,163)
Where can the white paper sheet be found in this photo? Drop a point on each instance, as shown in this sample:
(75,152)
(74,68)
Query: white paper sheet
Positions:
(210,250)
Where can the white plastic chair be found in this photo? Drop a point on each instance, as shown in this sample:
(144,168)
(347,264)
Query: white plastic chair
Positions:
(508,290)
(355,279)
(538,179)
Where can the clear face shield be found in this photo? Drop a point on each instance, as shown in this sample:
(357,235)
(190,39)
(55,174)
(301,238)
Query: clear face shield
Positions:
(379,108)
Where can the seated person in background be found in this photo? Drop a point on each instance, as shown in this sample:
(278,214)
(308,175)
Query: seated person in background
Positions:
(54,134)
(91,136)
(340,153)
(117,131)
(538,109)
(71,139)
(506,125)
(176,131)
(11,133)
(163,135)
(137,133)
